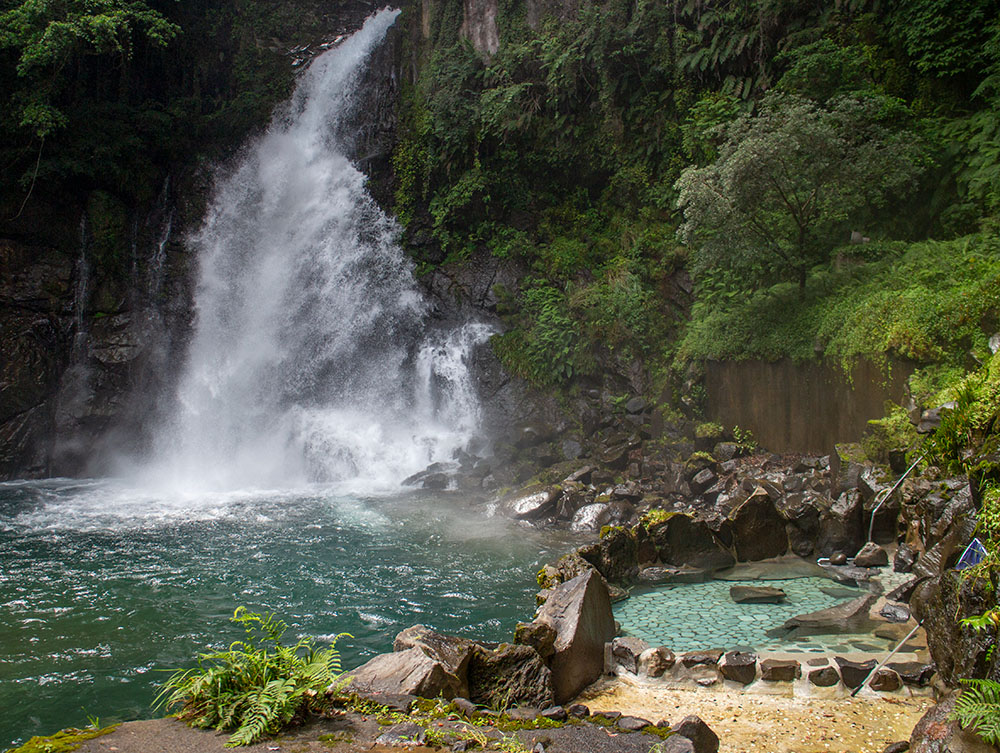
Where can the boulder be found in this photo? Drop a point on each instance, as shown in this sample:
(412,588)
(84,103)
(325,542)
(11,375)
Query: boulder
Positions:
(702,480)
(871,555)
(452,652)
(632,723)
(702,738)
(701,658)
(936,732)
(682,539)
(410,672)
(532,502)
(539,635)
(509,675)
(853,673)
(580,613)
(616,556)
(676,744)
(626,651)
(589,517)
(780,670)
(841,527)
(824,677)
(913,673)
(904,559)
(555,713)
(801,514)
(465,707)
(898,747)
(756,594)
(653,662)
(758,529)
(885,681)
(848,616)
(739,666)
(893,612)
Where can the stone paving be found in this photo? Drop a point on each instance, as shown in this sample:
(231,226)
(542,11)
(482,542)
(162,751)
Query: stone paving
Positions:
(689,617)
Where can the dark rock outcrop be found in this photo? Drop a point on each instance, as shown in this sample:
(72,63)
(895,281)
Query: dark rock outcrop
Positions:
(758,529)
(957,650)
(682,539)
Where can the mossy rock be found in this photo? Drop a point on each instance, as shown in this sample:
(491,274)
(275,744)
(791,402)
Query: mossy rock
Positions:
(64,741)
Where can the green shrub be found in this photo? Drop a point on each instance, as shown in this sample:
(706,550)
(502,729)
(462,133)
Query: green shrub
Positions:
(257,686)
(892,432)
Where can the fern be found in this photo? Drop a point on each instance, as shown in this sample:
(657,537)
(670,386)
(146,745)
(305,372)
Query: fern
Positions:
(978,708)
(258,685)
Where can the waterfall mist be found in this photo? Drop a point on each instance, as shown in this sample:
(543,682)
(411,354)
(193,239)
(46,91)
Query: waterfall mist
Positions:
(310,359)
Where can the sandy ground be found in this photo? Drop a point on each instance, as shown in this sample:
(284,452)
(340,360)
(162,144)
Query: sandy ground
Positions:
(756,723)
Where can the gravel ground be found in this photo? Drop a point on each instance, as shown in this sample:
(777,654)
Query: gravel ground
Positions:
(755,723)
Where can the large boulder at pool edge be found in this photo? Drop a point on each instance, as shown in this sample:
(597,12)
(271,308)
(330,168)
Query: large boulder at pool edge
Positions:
(579,611)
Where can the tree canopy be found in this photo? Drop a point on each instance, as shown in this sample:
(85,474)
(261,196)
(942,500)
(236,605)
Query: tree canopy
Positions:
(790,183)
(46,34)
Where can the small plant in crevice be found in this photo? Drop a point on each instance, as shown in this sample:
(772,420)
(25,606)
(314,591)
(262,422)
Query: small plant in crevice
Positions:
(258,685)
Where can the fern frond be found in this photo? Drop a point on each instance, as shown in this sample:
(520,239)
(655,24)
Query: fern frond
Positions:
(978,708)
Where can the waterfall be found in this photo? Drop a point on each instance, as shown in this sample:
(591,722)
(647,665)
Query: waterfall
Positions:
(310,359)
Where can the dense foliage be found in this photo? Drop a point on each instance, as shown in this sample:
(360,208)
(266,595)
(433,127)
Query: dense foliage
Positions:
(792,179)
(788,125)
(257,686)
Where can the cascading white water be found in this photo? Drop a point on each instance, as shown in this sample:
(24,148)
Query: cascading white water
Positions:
(309,360)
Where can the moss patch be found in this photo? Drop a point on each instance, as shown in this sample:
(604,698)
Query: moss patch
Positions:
(64,741)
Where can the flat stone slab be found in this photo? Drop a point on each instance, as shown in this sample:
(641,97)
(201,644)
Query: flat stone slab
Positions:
(847,617)
(756,595)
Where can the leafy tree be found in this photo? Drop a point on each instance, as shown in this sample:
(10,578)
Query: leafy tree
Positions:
(46,35)
(789,183)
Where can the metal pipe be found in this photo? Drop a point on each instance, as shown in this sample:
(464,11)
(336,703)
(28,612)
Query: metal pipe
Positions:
(886,493)
(886,660)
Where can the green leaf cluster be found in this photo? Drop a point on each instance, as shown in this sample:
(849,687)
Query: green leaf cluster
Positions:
(978,708)
(257,686)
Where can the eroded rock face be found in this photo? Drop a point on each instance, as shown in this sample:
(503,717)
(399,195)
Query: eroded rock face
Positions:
(957,651)
(510,675)
(580,613)
(758,529)
(684,540)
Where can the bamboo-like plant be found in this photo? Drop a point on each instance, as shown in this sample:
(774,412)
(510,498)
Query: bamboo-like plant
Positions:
(258,685)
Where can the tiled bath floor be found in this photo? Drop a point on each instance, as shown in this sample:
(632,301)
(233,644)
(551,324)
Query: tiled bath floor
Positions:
(693,616)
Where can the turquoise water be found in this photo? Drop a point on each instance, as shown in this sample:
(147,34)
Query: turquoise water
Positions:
(698,616)
(102,586)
